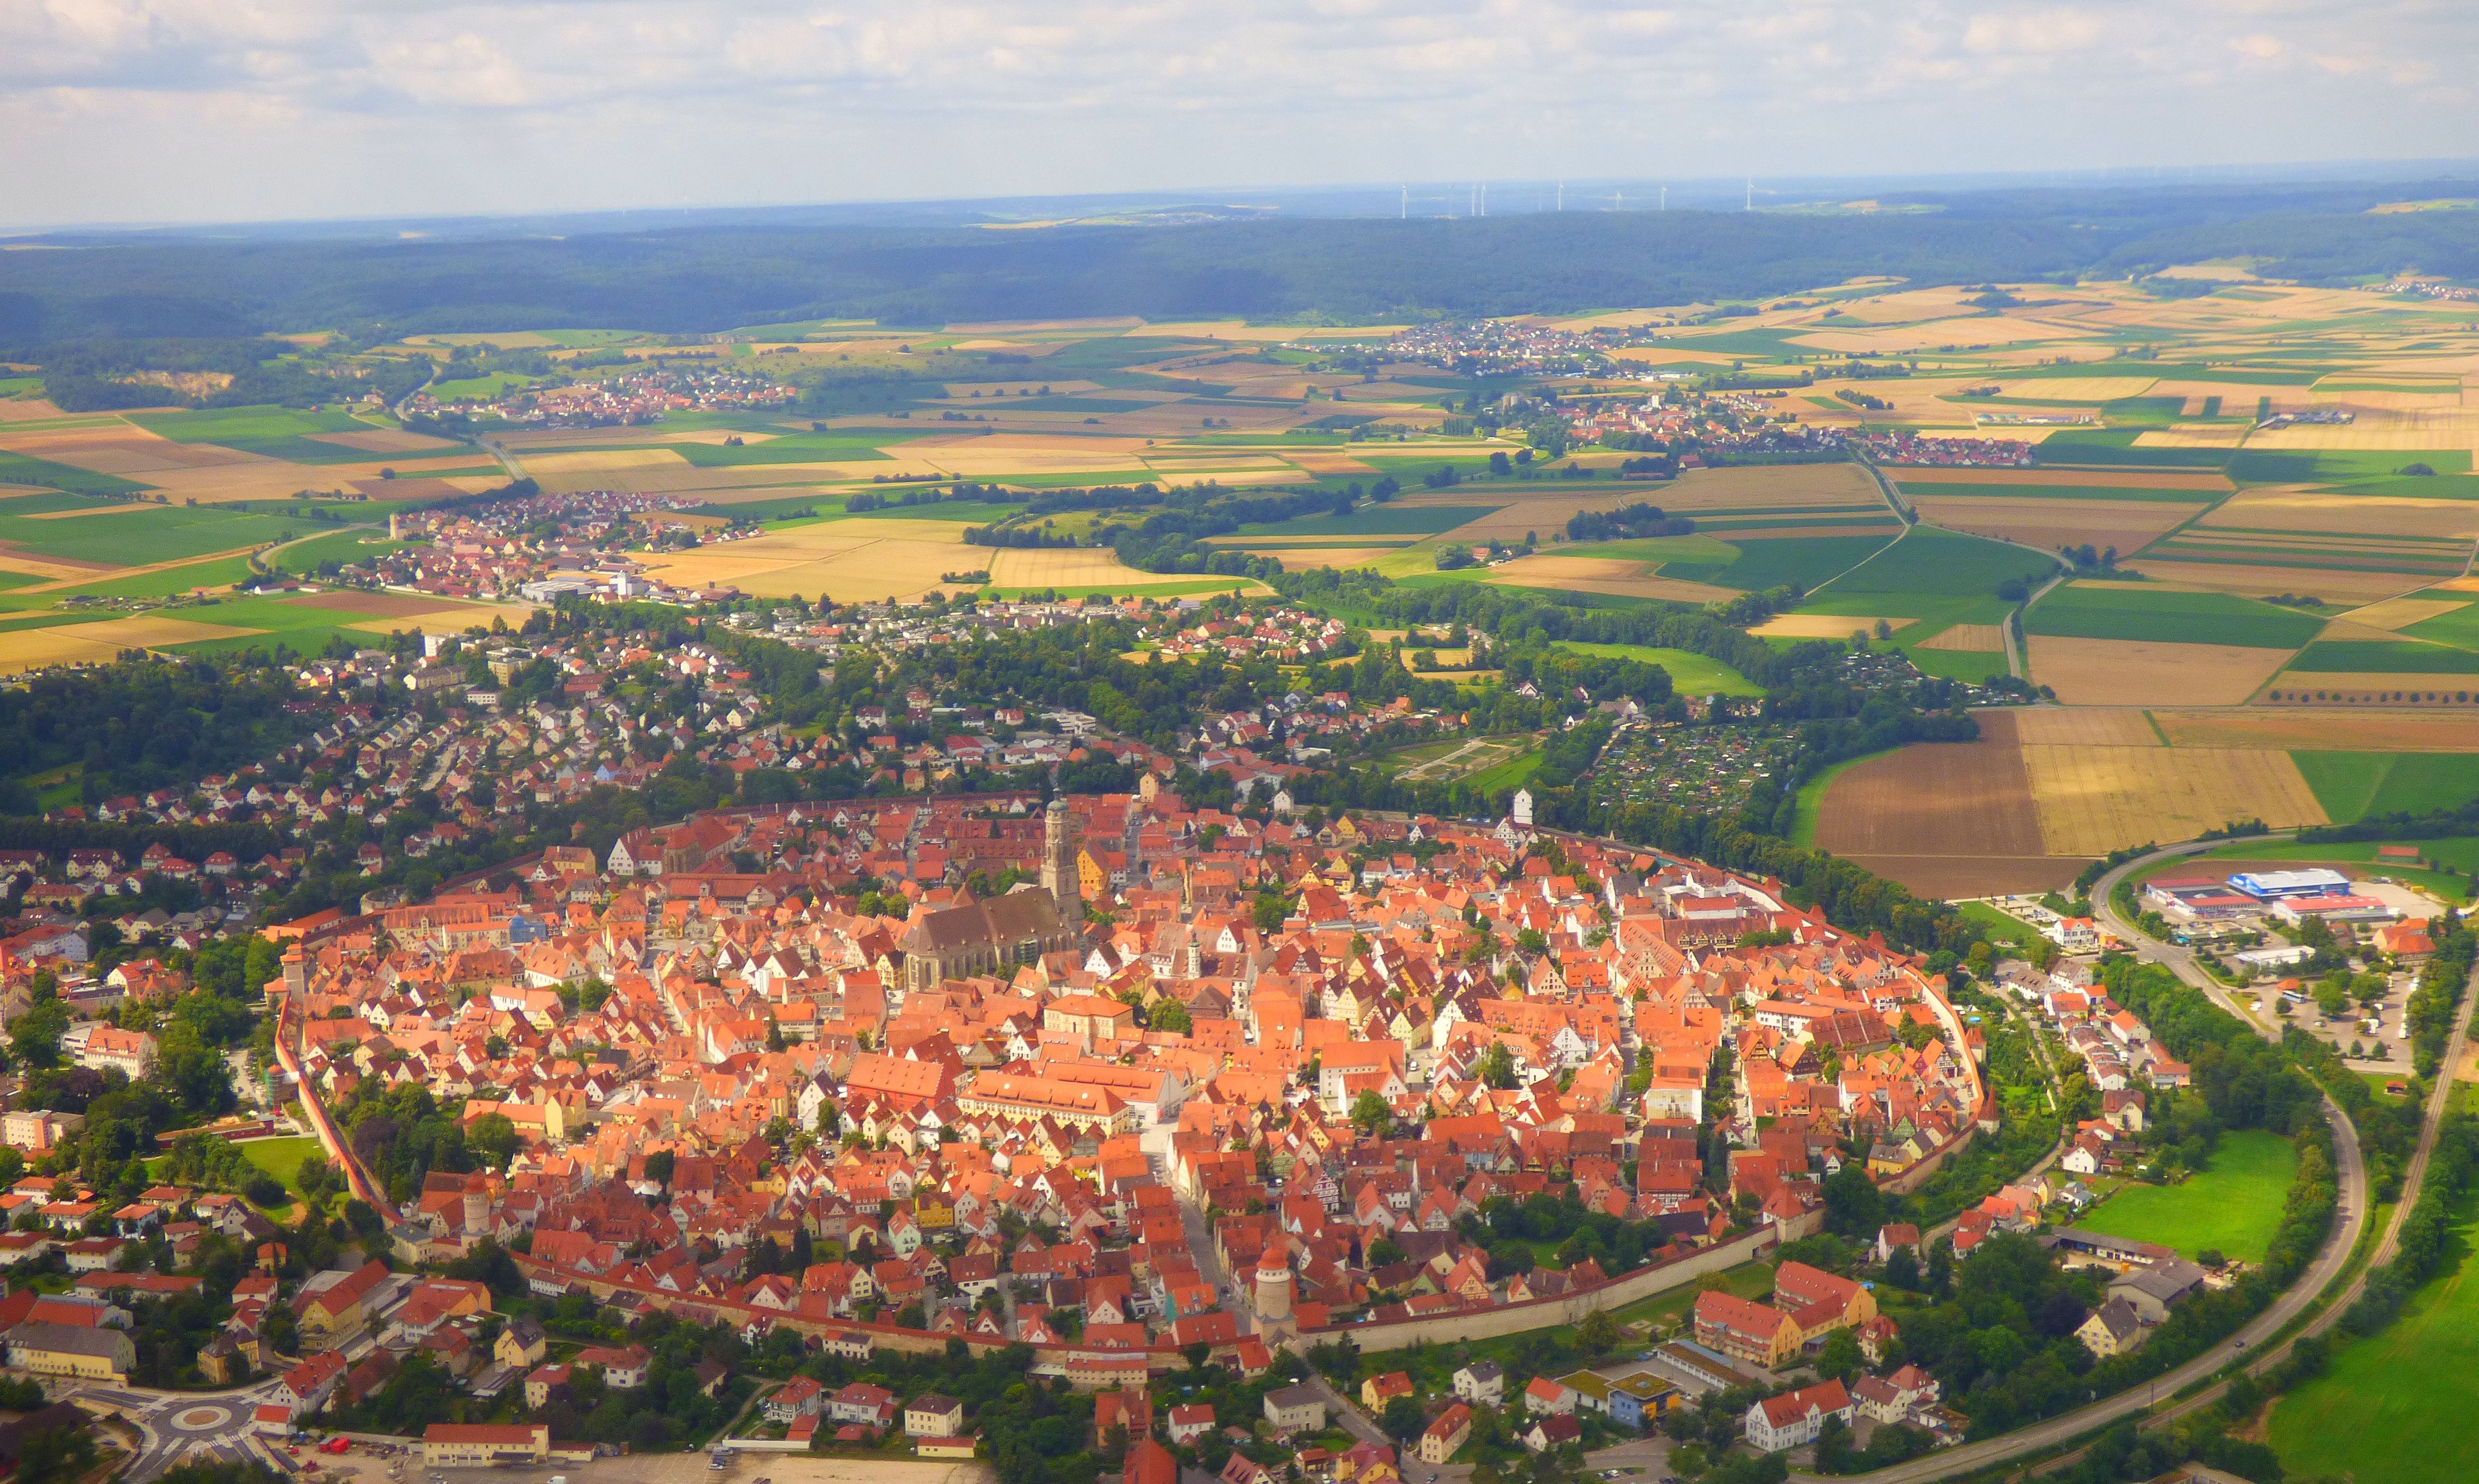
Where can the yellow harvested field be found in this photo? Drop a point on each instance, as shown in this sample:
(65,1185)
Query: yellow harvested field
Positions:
(2131,671)
(2307,729)
(2049,522)
(2087,478)
(847,561)
(2401,612)
(2277,507)
(1603,575)
(2407,431)
(1297,558)
(1327,461)
(2264,582)
(2094,800)
(2191,438)
(1821,626)
(2084,727)
(1968,639)
(1080,567)
(2074,388)
(42,567)
(97,643)
(599,459)
(2457,585)
(257,479)
(1760,487)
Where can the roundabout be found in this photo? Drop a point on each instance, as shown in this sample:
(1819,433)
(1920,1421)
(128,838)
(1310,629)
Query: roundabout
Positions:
(204,1418)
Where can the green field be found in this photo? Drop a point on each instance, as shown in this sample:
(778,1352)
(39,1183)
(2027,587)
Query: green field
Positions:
(1945,563)
(2352,785)
(2459,629)
(223,571)
(306,631)
(2232,1207)
(2389,1409)
(1690,674)
(273,432)
(1700,549)
(124,535)
(2116,447)
(344,547)
(1510,773)
(2000,927)
(2379,657)
(1800,561)
(44,473)
(2075,611)
(1375,520)
(2334,466)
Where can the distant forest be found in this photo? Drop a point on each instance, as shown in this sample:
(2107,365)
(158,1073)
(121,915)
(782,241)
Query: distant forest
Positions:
(711,278)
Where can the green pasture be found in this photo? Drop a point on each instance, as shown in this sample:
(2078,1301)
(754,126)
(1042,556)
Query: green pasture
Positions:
(480,389)
(787,507)
(1510,773)
(1800,561)
(44,473)
(2380,657)
(2232,1206)
(1944,563)
(2353,785)
(127,536)
(2076,611)
(1690,674)
(2394,1407)
(1998,926)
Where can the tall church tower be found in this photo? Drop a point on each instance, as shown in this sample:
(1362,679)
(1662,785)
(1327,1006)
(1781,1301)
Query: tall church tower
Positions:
(1058,863)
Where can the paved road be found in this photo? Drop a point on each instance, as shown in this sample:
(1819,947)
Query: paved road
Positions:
(2351,1220)
(2065,1135)
(180,1427)
(1346,1412)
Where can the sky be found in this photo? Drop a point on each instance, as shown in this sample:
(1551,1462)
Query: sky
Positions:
(167,111)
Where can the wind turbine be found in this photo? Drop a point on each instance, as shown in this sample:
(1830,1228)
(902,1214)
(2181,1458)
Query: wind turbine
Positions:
(1562,196)
(1617,200)
(1751,193)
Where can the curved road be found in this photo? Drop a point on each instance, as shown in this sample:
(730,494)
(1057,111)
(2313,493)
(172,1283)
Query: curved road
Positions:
(2351,1222)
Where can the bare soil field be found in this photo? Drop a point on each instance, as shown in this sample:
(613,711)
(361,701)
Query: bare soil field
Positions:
(2264,582)
(2094,800)
(2084,478)
(97,643)
(1603,575)
(1761,486)
(1820,625)
(1946,819)
(2127,672)
(2370,730)
(2084,727)
(373,604)
(1327,461)
(27,409)
(1968,639)
(2128,525)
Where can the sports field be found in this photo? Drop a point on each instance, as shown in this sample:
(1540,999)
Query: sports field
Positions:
(2232,1207)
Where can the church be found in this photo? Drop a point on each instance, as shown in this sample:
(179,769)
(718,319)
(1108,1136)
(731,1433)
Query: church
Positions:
(984,937)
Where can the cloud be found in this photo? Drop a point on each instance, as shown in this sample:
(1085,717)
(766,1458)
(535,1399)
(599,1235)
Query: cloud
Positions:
(421,108)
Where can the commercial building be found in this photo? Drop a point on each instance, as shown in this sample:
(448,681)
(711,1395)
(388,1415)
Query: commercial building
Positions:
(480,1445)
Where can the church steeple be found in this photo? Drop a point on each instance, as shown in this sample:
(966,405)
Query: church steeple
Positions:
(1058,863)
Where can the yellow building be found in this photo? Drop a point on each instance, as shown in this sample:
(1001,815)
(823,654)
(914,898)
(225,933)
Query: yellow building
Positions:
(480,1444)
(100,1354)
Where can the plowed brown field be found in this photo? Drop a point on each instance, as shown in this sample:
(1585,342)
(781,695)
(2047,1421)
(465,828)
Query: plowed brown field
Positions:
(1946,819)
